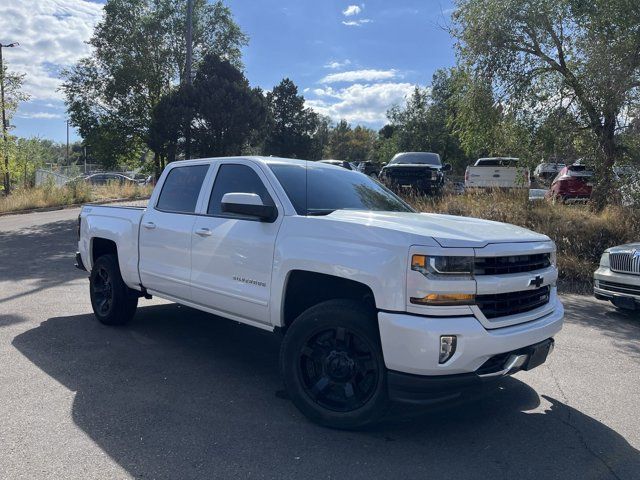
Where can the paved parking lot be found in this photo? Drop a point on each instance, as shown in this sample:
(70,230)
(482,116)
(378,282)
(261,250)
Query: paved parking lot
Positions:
(180,394)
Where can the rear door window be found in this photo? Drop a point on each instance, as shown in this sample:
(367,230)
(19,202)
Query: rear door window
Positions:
(181,189)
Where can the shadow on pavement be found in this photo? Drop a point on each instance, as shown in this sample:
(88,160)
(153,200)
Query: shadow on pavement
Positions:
(623,326)
(42,254)
(182,394)
(10,319)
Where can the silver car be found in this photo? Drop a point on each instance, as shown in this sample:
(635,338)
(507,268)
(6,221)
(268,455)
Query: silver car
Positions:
(618,276)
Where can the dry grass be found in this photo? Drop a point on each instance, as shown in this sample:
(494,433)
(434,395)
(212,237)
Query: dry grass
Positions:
(580,235)
(75,193)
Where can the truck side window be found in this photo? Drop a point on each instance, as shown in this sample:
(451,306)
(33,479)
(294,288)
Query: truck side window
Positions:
(181,189)
(232,178)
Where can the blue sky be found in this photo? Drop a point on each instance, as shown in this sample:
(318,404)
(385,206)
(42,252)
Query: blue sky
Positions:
(350,60)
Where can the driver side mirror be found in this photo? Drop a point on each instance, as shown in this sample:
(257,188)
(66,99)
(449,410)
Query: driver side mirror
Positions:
(249,205)
(446,167)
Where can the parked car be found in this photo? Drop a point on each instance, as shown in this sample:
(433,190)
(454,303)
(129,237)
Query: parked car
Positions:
(617,279)
(106,178)
(572,184)
(497,172)
(537,194)
(369,168)
(339,163)
(374,301)
(420,171)
(547,171)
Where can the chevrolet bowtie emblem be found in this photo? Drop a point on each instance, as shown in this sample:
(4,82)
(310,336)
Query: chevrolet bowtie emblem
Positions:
(537,281)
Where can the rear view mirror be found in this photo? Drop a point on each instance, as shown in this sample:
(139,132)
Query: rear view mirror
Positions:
(249,205)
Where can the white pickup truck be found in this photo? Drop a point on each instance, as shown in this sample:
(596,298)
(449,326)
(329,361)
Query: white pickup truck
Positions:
(375,301)
(497,172)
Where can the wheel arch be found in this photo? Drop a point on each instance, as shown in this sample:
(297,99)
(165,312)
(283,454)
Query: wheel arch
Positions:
(304,289)
(102,246)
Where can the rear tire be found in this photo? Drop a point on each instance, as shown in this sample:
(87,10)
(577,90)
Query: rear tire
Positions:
(113,302)
(332,365)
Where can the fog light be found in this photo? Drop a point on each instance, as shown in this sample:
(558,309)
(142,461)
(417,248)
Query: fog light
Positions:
(447,347)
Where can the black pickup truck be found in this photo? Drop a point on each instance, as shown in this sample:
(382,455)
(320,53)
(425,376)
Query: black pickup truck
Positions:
(422,172)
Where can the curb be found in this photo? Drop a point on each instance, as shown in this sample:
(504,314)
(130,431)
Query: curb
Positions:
(72,205)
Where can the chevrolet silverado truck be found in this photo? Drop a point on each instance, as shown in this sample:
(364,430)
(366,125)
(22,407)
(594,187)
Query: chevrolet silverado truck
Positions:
(374,301)
(497,172)
(422,172)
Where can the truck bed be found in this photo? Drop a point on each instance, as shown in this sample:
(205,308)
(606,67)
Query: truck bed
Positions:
(120,224)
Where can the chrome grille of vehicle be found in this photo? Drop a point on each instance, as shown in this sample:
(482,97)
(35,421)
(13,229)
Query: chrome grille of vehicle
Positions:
(504,304)
(625,262)
(511,264)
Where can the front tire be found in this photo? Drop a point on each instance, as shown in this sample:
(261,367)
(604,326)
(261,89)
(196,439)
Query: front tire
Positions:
(113,302)
(332,365)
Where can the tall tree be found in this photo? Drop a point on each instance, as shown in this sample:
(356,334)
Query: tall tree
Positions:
(13,95)
(584,52)
(223,110)
(138,55)
(291,125)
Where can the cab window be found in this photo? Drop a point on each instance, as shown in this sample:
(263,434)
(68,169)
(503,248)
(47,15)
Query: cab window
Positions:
(181,189)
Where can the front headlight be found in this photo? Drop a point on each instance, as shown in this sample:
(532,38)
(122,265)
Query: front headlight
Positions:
(604,259)
(433,265)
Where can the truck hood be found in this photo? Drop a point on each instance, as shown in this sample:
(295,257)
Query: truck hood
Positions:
(411,165)
(447,230)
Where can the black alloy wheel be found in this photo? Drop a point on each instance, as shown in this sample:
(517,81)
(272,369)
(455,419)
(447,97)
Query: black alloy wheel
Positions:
(337,369)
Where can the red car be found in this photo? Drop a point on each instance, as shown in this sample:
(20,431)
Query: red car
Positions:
(572,184)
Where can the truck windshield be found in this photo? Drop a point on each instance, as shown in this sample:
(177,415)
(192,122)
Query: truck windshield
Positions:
(497,162)
(420,158)
(319,190)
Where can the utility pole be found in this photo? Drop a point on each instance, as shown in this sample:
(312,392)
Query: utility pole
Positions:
(67,143)
(5,137)
(187,75)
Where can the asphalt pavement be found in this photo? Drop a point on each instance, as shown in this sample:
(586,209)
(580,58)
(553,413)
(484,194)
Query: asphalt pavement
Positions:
(179,394)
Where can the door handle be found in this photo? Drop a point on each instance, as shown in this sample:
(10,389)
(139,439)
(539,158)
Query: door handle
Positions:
(203,232)
(149,225)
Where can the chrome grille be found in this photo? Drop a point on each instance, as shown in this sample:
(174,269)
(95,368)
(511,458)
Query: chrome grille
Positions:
(504,304)
(511,264)
(625,262)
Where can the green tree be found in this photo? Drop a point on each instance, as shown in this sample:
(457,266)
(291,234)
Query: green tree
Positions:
(413,129)
(13,95)
(351,144)
(584,52)
(292,127)
(221,107)
(227,110)
(338,144)
(138,56)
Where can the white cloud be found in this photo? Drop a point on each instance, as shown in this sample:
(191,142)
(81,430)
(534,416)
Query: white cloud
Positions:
(334,65)
(368,75)
(360,103)
(52,36)
(351,10)
(41,115)
(356,23)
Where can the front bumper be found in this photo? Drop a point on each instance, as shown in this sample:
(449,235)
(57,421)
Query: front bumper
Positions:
(621,289)
(421,389)
(410,343)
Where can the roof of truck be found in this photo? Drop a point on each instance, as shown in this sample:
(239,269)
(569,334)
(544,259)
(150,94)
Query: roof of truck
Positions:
(262,159)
